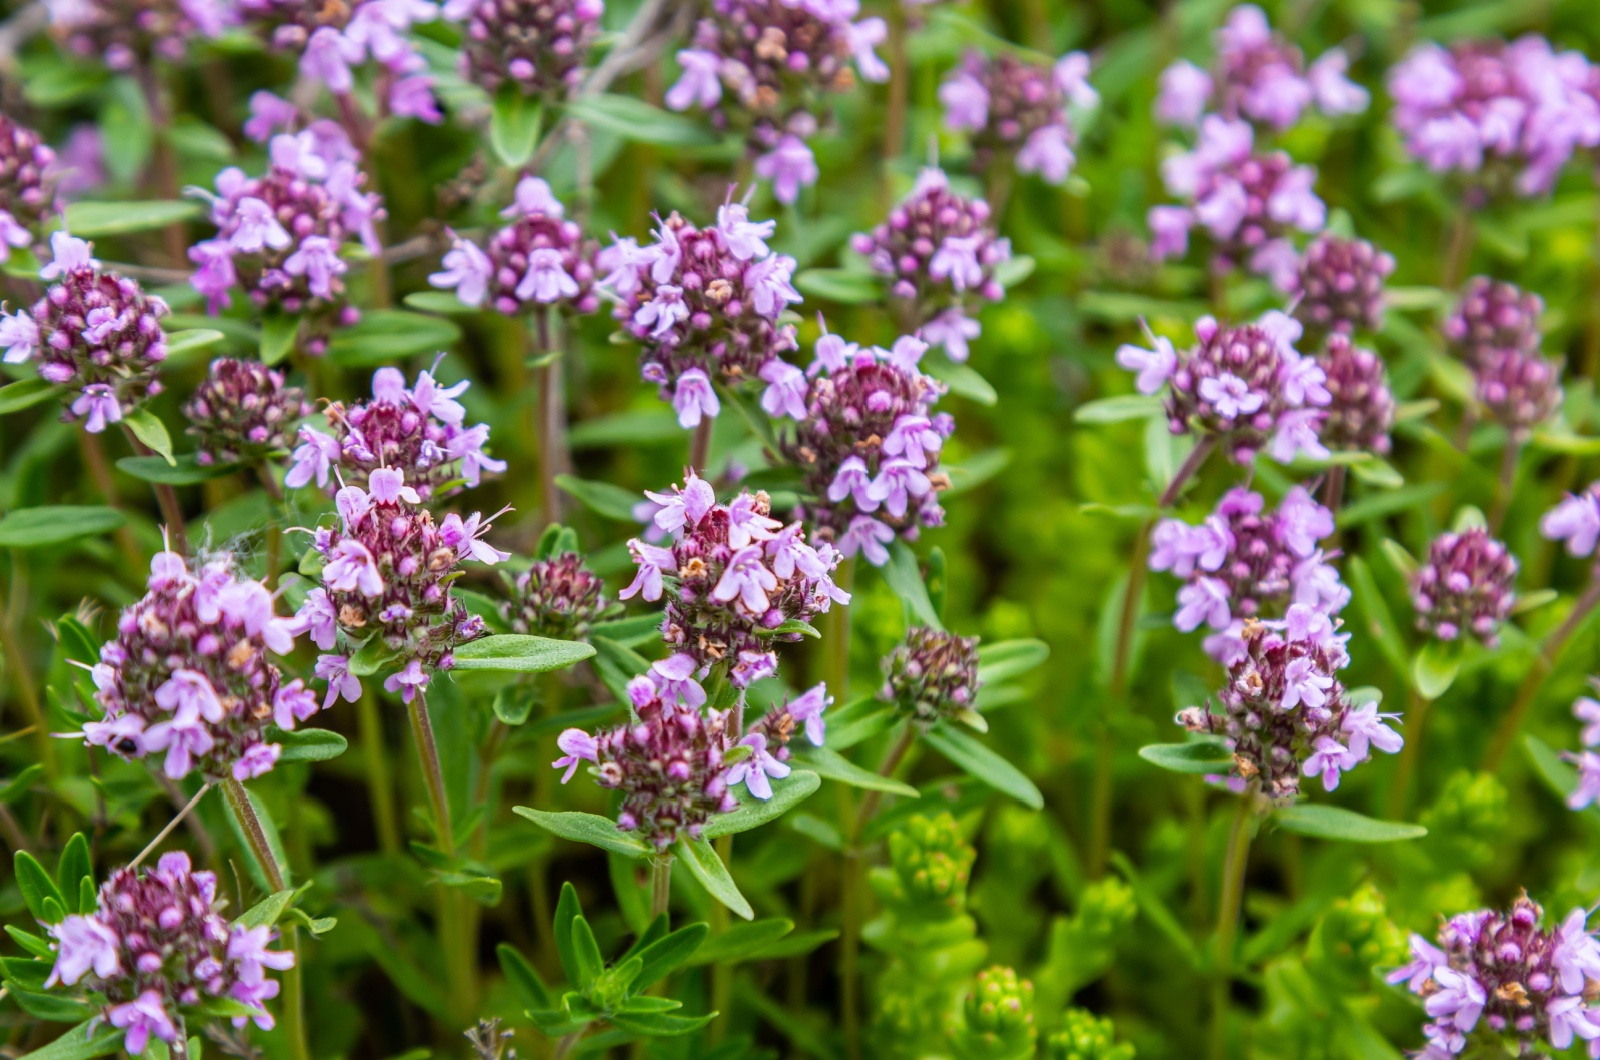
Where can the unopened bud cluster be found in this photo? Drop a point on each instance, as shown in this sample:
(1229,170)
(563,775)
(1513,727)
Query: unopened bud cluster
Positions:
(243,410)
(558,598)
(931,675)
(1465,587)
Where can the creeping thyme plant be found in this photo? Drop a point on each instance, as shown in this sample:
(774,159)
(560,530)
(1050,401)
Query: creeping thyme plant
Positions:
(739,529)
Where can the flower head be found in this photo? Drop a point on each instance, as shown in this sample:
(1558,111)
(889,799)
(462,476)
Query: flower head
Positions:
(1465,587)
(1014,108)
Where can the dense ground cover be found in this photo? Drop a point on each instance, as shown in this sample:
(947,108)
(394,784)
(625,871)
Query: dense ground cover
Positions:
(1026,529)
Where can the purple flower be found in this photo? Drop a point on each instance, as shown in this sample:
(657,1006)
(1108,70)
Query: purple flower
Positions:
(466,538)
(19,335)
(1363,725)
(747,579)
(953,330)
(674,679)
(744,238)
(351,568)
(1459,1000)
(269,114)
(1576,521)
(1185,92)
(699,84)
(966,102)
(257,759)
(1336,93)
(190,691)
(408,682)
(1230,395)
(1425,957)
(771,286)
(1202,602)
(785,394)
(143,1016)
(1155,366)
(898,482)
(663,312)
(956,260)
(864,36)
(693,398)
(83,943)
(98,404)
(790,166)
(1588,789)
(335,669)
(318,261)
(467,269)
(184,737)
(807,709)
(546,280)
(1587,711)
(1327,760)
(868,536)
(753,772)
(1048,152)
(576,746)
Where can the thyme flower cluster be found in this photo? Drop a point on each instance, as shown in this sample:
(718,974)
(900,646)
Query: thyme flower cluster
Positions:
(1283,711)
(707,305)
(1020,113)
(157,948)
(418,431)
(867,442)
(189,674)
(732,577)
(93,331)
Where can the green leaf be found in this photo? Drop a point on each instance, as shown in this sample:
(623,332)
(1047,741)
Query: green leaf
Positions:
(567,911)
(280,332)
(32,943)
(1435,667)
(704,864)
(26,972)
(79,1043)
(587,953)
(182,344)
(607,499)
(485,890)
(793,625)
(1200,757)
(1005,659)
(1014,270)
(974,472)
(372,656)
(151,431)
(658,1024)
(308,745)
(787,793)
(861,719)
(844,286)
(73,866)
(36,885)
(18,785)
(268,911)
(89,220)
(1380,623)
(55,1008)
(1558,773)
(1379,505)
(826,762)
(634,629)
(524,979)
(905,578)
(634,119)
(1119,409)
(520,653)
(587,828)
(963,379)
(185,470)
(664,955)
(741,942)
(513,704)
(618,665)
(978,760)
(386,335)
(639,427)
(442,303)
(514,125)
(25,393)
(1336,822)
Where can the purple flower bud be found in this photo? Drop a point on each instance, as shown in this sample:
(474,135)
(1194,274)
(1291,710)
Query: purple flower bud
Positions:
(1339,285)
(931,674)
(1465,587)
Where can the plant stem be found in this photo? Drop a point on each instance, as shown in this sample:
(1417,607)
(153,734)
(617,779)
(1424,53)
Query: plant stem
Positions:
(163,163)
(16,663)
(1100,789)
(432,772)
(660,885)
(722,971)
(1543,663)
(1333,489)
(700,444)
(166,497)
(1505,485)
(380,784)
(1458,250)
(891,762)
(454,916)
(836,638)
(175,822)
(552,419)
(94,458)
(273,531)
(1405,769)
(894,123)
(293,996)
(1233,869)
